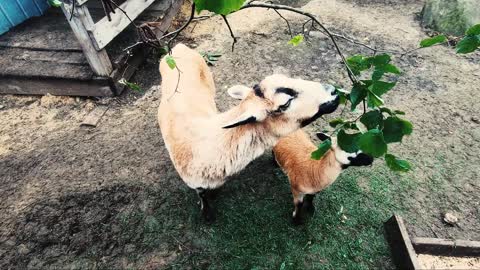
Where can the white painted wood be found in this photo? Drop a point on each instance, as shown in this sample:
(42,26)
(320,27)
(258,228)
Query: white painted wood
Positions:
(81,24)
(81,2)
(105,31)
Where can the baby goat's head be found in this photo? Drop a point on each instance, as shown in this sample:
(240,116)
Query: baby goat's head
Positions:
(345,158)
(283,104)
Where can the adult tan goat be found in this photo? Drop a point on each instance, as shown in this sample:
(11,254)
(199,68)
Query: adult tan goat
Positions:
(307,176)
(207,146)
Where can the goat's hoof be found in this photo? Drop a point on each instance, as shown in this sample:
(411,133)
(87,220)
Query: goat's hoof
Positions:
(297,220)
(209,216)
(310,209)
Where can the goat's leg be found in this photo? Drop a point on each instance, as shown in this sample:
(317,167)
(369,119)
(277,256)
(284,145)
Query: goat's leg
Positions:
(207,211)
(297,213)
(308,203)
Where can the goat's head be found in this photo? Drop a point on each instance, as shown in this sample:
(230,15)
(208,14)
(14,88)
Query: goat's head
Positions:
(283,104)
(345,158)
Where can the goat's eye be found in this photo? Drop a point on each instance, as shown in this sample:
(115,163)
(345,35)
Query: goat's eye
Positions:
(285,106)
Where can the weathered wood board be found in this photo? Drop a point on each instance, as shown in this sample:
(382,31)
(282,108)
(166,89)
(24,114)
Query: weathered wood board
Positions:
(446,247)
(402,249)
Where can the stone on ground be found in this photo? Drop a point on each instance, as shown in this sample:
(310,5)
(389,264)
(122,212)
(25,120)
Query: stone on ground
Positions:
(451,16)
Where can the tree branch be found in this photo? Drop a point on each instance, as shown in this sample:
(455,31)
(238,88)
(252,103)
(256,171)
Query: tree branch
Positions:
(177,32)
(231,32)
(312,17)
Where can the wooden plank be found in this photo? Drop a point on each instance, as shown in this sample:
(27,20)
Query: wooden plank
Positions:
(44,64)
(81,24)
(49,32)
(445,247)
(163,24)
(97,87)
(93,118)
(57,57)
(401,247)
(105,31)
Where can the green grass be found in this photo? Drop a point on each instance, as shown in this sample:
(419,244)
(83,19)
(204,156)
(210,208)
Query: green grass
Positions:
(253,228)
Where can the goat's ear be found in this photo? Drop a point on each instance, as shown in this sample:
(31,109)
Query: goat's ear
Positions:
(322,136)
(247,118)
(239,91)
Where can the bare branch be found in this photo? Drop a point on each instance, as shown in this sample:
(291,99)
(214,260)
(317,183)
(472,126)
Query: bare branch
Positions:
(311,16)
(178,31)
(288,23)
(231,32)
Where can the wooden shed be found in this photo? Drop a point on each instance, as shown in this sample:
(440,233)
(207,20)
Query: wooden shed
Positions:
(64,54)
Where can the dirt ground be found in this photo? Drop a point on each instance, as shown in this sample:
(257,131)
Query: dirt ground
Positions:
(70,196)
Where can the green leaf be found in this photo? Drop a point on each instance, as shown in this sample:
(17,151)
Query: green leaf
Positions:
(335,122)
(55,3)
(372,119)
(211,57)
(389,68)
(358,63)
(322,149)
(395,128)
(359,92)
(396,164)
(428,42)
(343,95)
(377,74)
(373,100)
(296,40)
(474,30)
(171,62)
(379,60)
(372,143)
(380,87)
(130,85)
(348,142)
(468,44)
(386,110)
(222,7)
(399,112)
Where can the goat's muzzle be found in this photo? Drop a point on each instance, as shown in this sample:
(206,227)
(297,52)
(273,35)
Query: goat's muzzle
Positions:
(325,108)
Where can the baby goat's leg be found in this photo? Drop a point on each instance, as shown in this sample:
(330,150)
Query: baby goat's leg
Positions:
(298,202)
(308,203)
(207,211)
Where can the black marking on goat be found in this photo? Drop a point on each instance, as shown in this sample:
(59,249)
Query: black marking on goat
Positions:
(249,120)
(322,136)
(287,91)
(361,160)
(325,108)
(258,92)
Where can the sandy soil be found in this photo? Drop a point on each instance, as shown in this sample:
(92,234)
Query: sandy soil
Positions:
(440,262)
(64,187)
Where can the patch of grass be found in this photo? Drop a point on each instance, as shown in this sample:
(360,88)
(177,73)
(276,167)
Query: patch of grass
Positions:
(253,228)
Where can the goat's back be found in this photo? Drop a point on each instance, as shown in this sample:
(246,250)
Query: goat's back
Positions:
(189,87)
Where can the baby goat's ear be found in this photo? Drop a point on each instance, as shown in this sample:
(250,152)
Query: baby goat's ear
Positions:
(322,136)
(239,91)
(247,118)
